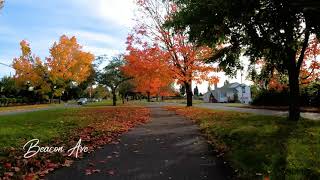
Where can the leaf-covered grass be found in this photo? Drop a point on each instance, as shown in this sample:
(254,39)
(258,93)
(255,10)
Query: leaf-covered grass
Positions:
(258,146)
(96,126)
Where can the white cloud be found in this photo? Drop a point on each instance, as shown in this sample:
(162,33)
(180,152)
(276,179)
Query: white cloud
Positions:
(101,51)
(120,12)
(89,36)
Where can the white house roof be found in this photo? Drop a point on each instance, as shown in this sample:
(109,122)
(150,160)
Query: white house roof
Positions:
(228,87)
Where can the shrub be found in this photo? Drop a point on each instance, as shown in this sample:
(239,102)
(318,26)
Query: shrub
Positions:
(271,98)
(309,96)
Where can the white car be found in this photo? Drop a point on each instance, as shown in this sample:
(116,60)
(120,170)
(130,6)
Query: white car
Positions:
(82,101)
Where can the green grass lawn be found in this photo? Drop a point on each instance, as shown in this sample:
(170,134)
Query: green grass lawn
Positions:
(259,146)
(183,101)
(28,107)
(43,125)
(101,103)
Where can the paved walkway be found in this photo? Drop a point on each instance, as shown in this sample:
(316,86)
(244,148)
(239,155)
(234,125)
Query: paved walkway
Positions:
(168,147)
(312,116)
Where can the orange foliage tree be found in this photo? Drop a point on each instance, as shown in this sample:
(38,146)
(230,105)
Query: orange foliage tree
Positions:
(31,71)
(184,59)
(310,69)
(67,64)
(149,68)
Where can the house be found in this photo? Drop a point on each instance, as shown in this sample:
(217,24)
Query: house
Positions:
(230,92)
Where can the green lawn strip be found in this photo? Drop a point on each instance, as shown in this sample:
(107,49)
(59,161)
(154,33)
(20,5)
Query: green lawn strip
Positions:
(183,101)
(28,107)
(101,103)
(259,146)
(44,125)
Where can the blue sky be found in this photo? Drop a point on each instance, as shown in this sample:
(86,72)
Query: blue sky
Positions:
(101,26)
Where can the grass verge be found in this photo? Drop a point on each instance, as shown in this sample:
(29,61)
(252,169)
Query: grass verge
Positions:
(261,146)
(183,101)
(27,107)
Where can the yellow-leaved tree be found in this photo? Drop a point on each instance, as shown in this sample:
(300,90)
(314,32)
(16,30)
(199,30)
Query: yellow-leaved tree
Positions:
(31,72)
(66,65)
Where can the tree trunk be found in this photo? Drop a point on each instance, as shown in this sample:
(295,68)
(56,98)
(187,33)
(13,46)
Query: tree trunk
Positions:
(188,86)
(148,96)
(51,99)
(294,109)
(114,98)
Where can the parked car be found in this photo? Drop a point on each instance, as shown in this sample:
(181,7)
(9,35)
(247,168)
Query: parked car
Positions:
(82,101)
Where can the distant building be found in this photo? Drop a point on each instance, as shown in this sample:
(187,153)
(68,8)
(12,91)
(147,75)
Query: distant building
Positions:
(230,92)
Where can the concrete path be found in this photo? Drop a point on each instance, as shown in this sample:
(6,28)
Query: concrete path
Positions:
(312,116)
(168,147)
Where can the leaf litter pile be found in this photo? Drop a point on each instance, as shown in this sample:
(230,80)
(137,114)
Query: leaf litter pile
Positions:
(104,126)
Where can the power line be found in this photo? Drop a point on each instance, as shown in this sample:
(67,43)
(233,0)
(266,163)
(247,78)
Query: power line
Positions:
(6,65)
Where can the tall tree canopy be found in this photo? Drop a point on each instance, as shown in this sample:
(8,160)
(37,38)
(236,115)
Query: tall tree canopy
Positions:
(184,59)
(277,31)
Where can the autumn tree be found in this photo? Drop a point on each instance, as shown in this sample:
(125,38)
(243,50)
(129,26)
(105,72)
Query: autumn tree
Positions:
(68,63)
(31,72)
(149,68)
(310,68)
(112,76)
(184,59)
(276,30)
(270,78)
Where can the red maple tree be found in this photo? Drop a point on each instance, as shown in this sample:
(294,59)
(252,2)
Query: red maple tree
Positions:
(184,60)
